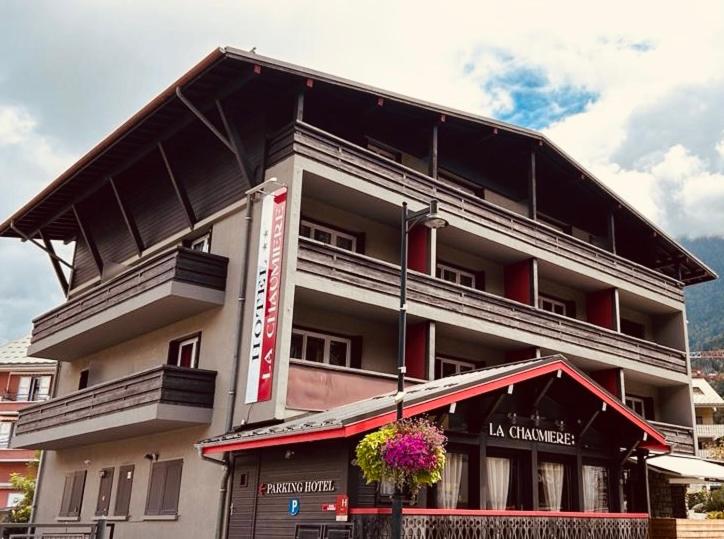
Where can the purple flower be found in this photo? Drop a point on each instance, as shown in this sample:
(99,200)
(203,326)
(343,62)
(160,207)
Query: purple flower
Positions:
(410,453)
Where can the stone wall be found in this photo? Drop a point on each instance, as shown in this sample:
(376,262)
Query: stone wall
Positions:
(667,501)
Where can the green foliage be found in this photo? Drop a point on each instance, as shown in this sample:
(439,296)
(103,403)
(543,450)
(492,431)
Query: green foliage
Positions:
(719,515)
(369,454)
(696,498)
(26,484)
(715,501)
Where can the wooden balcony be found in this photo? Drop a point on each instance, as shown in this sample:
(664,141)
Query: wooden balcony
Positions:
(158,399)
(444,524)
(679,437)
(154,293)
(503,317)
(513,228)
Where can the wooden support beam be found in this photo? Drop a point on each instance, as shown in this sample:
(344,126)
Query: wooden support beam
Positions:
(299,105)
(178,188)
(92,247)
(544,390)
(54,260)
(433,164)
(588,424)
(203,119)
(27,237)
(496,404)
(628,453)
(239,153)
(532,186)
(612,232)
(128,219)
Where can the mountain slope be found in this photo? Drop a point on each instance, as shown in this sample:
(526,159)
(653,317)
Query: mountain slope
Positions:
(705,302)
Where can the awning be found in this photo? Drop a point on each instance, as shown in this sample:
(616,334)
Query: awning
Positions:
(688,468)
(363,416)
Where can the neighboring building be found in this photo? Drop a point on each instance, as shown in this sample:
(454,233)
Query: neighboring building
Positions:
(209,305)
(23,381)
(706,403)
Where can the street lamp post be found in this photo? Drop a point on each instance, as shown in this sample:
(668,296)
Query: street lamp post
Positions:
(429,217)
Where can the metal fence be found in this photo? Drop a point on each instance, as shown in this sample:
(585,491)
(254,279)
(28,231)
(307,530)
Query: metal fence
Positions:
(69,530)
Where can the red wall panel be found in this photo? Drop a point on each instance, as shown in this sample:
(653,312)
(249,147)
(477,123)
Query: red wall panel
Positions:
(416,349)
(610,380)
(518,279)
(600,308)
(418,249)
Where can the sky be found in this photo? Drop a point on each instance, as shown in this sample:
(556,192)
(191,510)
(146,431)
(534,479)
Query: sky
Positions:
(632,90)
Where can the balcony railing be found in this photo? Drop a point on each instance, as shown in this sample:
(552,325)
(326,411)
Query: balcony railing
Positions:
(152,294)
(679,437)
(317,387)
(375,276)
(710,431)
(451,524)
(161,398)
(328,149)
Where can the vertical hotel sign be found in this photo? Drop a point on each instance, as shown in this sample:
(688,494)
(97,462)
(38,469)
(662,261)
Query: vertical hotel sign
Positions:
(267,289)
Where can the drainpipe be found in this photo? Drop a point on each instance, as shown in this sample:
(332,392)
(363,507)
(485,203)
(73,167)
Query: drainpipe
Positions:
(224,490)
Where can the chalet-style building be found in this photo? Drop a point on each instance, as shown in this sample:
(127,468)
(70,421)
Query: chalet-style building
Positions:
(230,329)
(707,402)
(24,381)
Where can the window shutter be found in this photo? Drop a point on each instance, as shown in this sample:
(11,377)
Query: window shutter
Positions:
(649,408)
(103,504)
(570,309)
(155,488)
(123,490)
(172,488)
(76,497)
(480,280)
(356,353)
(67,494)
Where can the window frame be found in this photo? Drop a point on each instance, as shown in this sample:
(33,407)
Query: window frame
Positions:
(554,302)
(175,346)
(204,240)
(334,233)
(33,390)
(328,338)
(458,271)
(639,400)
(458,362)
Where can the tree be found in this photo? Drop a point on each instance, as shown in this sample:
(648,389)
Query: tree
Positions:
(25,483)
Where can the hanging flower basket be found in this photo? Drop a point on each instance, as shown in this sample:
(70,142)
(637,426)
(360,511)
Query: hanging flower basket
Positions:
(409,453)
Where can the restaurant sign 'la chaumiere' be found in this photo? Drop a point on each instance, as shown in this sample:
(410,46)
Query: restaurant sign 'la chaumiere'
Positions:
(531,434)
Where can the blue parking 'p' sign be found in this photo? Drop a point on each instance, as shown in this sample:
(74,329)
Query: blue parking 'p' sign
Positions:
(293,506)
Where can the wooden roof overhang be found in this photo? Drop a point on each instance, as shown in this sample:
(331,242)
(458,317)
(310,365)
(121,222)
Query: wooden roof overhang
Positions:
(358,418)
(50,213)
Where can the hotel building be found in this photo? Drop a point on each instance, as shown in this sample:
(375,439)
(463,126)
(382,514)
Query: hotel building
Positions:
(230,328)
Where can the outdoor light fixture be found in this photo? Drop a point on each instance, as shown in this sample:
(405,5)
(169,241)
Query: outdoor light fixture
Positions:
(429,217)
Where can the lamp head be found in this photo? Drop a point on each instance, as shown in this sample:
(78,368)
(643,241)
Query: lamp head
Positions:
(433,219)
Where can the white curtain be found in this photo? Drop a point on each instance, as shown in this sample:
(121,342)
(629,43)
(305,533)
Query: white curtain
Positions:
(448,489)
(551,476)
(498,481)
(595,489)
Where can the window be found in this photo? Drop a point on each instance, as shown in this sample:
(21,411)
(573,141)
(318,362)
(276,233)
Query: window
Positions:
(33,388)
(385,151)
(202,243)
(455,275)
(699,420)
(123,490)
(321,348)
(328,235)
(595,489)
(103,504)
(553,486)
(637,405)
(14,498)
(552,305)
(164,488)
(6,431)
(453,489)
(83,379)
(72,499)
(445,366)
(185,352)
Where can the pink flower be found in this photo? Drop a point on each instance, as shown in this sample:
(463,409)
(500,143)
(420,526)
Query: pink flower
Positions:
(410,453)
